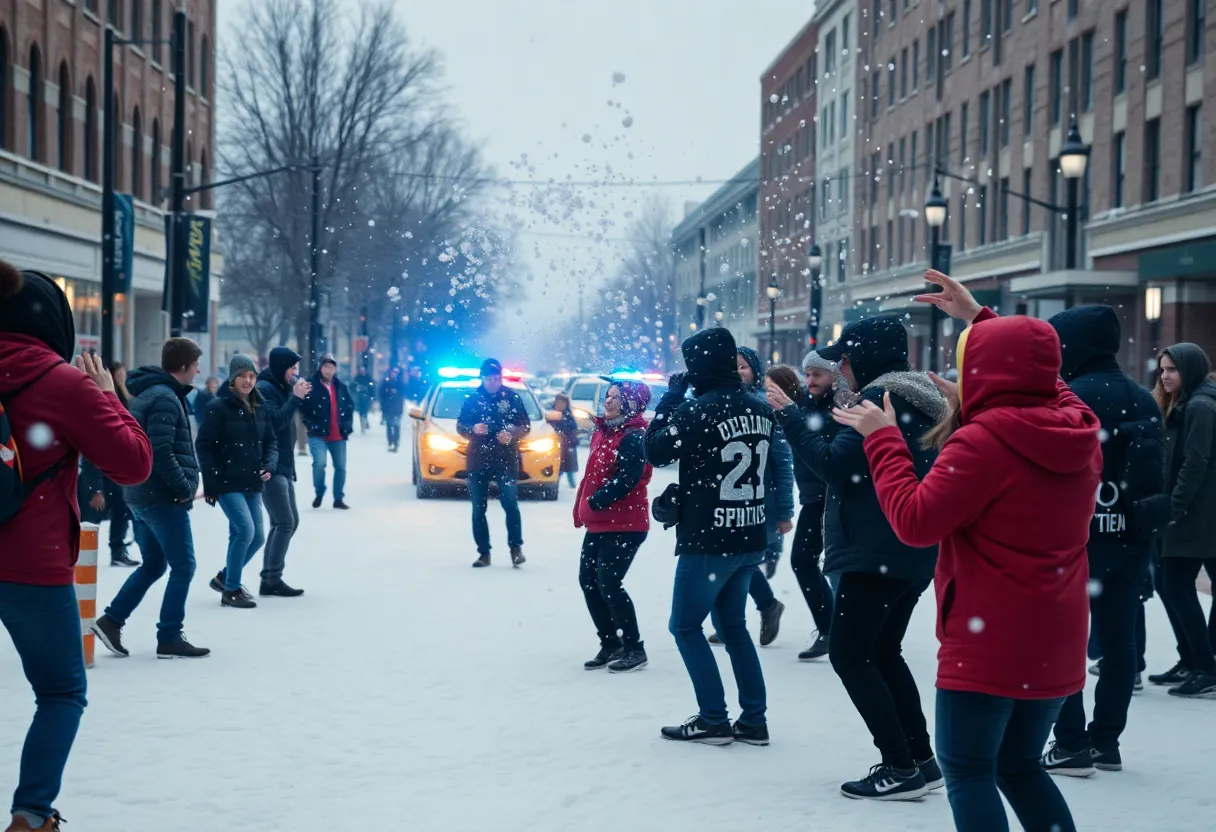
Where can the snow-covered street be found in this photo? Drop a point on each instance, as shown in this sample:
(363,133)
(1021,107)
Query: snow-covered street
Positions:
(406,690)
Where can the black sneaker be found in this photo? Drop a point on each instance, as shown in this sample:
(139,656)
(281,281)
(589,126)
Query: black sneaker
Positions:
(1095,669)
(770,623)
(107,630)
(885,782)
(1198,685)
(341,506)
(817,650)
(1176,675)
(239,599)
(317,502)
(932,773)
(1067,763)
(217,583)
(1107,760)
(181,649)
(481,562)
(634,659)
(696,729)
(1138,685)
(517,557)
(751,734)
(119,557)
(714,639)
(278,589)
(602,659)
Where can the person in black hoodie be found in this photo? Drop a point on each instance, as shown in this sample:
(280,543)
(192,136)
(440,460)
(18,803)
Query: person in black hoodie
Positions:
(1119,552)
(881,579)
(329,413)
(721,439)
(283,392)
(392,406)
(1187,396)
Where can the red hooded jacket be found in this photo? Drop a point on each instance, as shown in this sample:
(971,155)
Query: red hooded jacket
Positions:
(629,512)
(1010,499)
(40,544)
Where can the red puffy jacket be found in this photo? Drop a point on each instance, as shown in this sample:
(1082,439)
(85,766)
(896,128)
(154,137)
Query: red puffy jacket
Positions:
(1010,499)
(617,455)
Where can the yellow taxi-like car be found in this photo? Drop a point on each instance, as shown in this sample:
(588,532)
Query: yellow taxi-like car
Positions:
(439,450)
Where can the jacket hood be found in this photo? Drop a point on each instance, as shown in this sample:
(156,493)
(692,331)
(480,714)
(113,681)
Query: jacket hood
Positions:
(753,360)
(281,360)
(1009,376)
(149,376)
(23,360)
(875,346)
(267,376)
(1089,339)
(40,309)
(635,394)
(917,389)
(1193,365)
(710,358)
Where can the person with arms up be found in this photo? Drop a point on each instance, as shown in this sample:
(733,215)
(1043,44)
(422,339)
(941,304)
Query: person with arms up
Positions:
(494,420)
(1119,546)
(364,389)
(561,419)
(392,406)
(722,441)
(283,393)
(51,413)
(329,412)
(237,453)
(612,504)
(1010,498)
(161,505)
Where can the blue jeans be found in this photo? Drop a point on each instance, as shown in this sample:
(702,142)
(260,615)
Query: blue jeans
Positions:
(44,624)
(393,429)
(986,743)
(570,479)
(508,496)
(245,534)
(165,541)
(317,447)
(760,590)
(718,583)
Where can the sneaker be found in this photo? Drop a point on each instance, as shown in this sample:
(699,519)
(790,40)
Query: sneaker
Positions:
(278,589)
(885,782)
(238,598)
(602,659)
(181,649)
(317,502)
(341,506)
(107,630)
(217,583)
(714,639)
(517,557)
(119,557)
(1066,763)
(695,729)
(634,659)
(817,650)
(1138,685)
(1176,675)
(1107,760)
(1198,685)
(932,772)
(1095,669)
(751,734)
(770,623)
(481,562)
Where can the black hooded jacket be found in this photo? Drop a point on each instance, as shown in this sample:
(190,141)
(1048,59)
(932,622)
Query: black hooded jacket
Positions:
(158,403)
(1089,341)
(1190,472)
(281,406)
(236,443)
(722,440)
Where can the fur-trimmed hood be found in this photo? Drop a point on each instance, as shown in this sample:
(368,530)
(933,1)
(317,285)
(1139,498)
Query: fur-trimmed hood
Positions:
(917,389)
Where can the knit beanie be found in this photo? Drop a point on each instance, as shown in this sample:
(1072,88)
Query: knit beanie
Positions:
(814,361)
(240,364)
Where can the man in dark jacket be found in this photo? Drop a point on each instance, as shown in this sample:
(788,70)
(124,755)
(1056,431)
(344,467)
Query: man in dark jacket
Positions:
(329,413)
(721,439)
(881,579)
(494,420)
(392,405)
(364,390)
(161,505)
(1118,553)
(282,393)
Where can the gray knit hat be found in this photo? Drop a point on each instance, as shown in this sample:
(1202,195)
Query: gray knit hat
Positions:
(813,361)
(241,364)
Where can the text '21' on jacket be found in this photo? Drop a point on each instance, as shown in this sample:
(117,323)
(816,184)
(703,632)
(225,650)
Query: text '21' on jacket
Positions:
(158,402)
(236,443)
(1191,459)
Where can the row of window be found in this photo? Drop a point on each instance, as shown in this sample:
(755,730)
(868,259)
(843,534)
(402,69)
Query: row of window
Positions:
(151,20)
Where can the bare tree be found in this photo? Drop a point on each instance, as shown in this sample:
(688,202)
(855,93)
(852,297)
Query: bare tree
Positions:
(253,280)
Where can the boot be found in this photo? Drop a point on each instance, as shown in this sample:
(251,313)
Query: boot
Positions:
(239,599)
(21,824)
(517,557)
(119,557)
(482,561)
(278,589)
(217,583)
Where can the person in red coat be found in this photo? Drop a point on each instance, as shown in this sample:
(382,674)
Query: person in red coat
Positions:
(57,413)
(1009,499)
(612,504)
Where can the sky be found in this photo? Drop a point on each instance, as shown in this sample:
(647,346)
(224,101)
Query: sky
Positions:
(628,90)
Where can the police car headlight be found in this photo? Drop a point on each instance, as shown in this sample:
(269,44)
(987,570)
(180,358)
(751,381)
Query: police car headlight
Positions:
(439,442)
(542,445)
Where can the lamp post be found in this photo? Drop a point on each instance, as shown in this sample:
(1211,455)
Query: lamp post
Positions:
(701,301)
(814,261)
(718,316)
(936,208)
(1152,314)
(1074,159)
(773,291)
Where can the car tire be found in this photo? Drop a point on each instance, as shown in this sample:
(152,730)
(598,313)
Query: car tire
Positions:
(414,473)
(549,493)
(426,491)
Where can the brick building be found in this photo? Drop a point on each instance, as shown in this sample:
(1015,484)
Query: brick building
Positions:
(51,118)
(984,91)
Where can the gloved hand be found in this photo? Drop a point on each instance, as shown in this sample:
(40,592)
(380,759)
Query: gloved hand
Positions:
(677,384)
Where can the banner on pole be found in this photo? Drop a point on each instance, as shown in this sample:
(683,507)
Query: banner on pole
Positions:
(196,294)
(124,241)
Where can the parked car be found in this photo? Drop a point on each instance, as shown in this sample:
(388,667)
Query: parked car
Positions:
(586,394)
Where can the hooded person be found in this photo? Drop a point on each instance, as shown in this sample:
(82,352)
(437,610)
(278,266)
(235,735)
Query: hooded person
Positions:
(1012,595)
(283,392)
(880,578)
(1119,552)
(1187,396)
(80,415)
(721,440)
(329,413)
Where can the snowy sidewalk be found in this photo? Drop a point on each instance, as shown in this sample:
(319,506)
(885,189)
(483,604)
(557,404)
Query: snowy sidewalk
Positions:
(408,691)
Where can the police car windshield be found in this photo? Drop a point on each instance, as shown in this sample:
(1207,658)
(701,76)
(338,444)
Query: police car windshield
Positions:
(450,399)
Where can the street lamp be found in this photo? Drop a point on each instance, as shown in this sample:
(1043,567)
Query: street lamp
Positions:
(773,291)
(719,316)
(1152,314)
(1074,159)
(814,261)
(701,301)
(936,209)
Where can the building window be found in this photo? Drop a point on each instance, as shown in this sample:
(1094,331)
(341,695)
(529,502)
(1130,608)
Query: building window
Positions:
(899,243)
(1006,110)
(64,117)
(1196,22)
(116,129)
(1152,41)
(832,122)
(1194,148)
(137,156)
(915,65)
(984,116)
(1118,155)
(1073,6)
(875,176)
(875,95)
(1028,102)
(115,14)
(982,204)
(33,120)
(844,33)
(1087,72)
(890,171)
(844,115)
(842,260)
(931,56)
(891,84)
(948,45)
(1026,185)
(903,166)
(1152,160)
(962,133)
(1056,92)
(1007,16)
(985,24)
(903,73)
(876,28)
(842,190)
(890,244)
(137,19)
(154,179)
(1032,6)
(824,198)
(1121,52)
(190,53)
(912,159)
(204,65)
(962,222)
(90,131)
(966,28)
(829,60)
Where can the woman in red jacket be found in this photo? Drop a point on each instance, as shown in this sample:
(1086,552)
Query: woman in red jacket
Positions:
(1010,499)
(57,413)
(612,504)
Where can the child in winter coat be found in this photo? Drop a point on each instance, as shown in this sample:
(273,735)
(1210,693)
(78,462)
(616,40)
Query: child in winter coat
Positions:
(567,435)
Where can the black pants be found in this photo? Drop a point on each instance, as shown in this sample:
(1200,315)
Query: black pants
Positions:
(1181,599)
(872,614)
(804,559)
(120,516)
(601,569)
(1114,613)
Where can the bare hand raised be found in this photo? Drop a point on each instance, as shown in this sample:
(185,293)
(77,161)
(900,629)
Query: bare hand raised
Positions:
(949,389)
(953,299)
(777,398)
(867,417)
(301,388)
(93,367)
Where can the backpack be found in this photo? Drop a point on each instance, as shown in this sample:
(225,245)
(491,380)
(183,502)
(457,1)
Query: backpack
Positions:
(14,488)
(1135,507)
